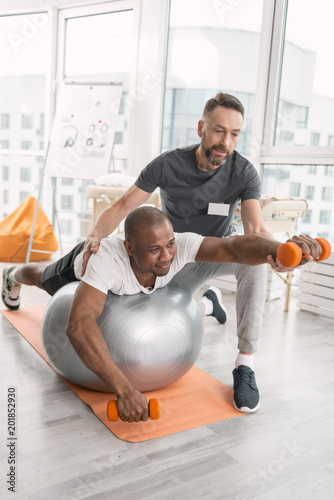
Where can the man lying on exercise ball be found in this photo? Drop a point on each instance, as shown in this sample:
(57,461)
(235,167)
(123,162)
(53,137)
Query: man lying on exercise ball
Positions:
(147,257)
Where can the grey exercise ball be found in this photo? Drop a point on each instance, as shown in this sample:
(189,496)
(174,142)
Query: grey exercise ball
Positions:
(154,339)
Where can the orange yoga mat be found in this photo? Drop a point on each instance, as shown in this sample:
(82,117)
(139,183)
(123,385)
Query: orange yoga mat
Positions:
(194,400)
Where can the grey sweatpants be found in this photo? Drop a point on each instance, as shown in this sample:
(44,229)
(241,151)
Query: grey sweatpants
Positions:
(250,298)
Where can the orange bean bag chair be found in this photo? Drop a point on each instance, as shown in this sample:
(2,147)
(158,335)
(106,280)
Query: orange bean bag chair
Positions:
(15,231)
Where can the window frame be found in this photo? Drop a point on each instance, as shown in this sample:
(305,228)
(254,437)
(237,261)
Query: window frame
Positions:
(150,23)
(270,154)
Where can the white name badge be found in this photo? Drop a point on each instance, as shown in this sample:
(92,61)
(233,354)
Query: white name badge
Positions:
(218,209)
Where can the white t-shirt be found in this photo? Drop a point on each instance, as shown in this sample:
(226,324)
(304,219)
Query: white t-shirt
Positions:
(110,269)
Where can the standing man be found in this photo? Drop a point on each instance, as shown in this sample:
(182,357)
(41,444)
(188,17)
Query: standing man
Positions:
(201,187)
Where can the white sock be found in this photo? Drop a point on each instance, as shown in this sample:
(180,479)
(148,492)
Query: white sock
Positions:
(245,359)
(208,305)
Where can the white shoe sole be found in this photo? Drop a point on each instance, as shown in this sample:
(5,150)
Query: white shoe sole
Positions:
(219,297)
(245,409)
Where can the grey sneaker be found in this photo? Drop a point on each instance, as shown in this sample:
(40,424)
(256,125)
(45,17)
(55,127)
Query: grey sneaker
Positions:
(10,290)
(219,310)
(246,393)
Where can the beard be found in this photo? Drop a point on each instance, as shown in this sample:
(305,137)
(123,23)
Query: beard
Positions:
(210,156)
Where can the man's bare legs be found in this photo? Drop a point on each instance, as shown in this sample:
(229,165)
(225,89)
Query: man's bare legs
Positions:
(12,279)
(29,274)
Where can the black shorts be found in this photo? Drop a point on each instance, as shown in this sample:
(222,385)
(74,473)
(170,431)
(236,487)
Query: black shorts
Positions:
(61,272)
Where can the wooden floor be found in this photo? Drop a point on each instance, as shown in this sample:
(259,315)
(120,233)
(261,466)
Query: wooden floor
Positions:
(284,451)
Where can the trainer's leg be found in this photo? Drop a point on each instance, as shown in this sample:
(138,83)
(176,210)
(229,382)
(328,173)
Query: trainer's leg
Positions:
(195,274)
(251,286)
(250,299)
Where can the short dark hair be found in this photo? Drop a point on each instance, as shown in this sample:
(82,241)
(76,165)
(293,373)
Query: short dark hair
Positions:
(226,101)
(142,217)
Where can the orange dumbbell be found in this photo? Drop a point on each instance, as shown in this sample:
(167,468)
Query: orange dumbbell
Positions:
(289,254)
(325,247)
(153,410)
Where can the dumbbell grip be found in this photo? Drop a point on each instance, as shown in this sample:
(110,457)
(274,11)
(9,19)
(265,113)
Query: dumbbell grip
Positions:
(153,410)
(290,254)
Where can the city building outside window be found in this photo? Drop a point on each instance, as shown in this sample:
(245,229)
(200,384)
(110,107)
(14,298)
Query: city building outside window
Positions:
(305,98)
(327,194)
(67,182)
(315,139)
(309,192)
(295,188)
(307,219)
(66,227)
(329,170)
(66,202)
(5,173)
(23,195)
(25,174)
(41,129)
(24,83)
(4,120)
(209,51)
(325,217)
(301,116)
(285,179)
(85,227)
(26,121)
(323,235)
(26,144)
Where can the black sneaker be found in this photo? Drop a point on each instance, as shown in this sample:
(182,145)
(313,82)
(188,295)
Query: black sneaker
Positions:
(246,393)
(219,310)
(10,290)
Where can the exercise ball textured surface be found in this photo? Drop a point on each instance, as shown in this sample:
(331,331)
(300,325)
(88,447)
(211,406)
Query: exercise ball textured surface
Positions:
(154,339)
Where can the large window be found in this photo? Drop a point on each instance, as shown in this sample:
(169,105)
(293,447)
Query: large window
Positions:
(107,54)
(294,180)
(213,47)
(306,92)
(171,57)
(299,104)
(25,49)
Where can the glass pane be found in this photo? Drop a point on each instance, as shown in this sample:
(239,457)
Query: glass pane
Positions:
(25,46)
(23,172)
(213,47)
(315,185)
(306,96)
(74,210)
(107,55)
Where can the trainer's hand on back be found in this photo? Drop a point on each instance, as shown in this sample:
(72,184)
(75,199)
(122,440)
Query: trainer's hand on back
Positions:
(91,246)
(132,407)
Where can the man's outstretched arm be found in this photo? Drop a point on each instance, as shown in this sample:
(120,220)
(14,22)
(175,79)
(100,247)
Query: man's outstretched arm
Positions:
(252,249)
(88,342)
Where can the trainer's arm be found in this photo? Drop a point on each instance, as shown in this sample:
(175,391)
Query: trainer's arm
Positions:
(88,341)
(252,220)
(252,249)
(110,219)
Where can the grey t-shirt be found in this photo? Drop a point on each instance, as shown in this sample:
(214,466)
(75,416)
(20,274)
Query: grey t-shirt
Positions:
(186,190)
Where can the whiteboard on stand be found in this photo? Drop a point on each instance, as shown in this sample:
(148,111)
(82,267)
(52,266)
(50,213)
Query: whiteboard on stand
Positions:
(83,131)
